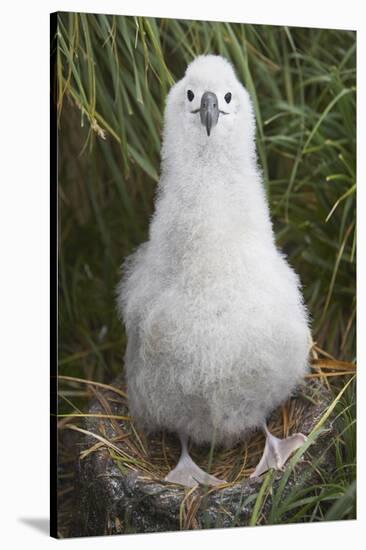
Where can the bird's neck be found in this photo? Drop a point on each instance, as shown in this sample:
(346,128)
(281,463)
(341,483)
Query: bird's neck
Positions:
(211,209)
(211,199)
(212,174)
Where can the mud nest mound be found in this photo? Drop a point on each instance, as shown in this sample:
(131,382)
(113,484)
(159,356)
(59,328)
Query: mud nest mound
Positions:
(120,471)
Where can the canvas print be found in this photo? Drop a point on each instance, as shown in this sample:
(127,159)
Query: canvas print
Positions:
(204,196)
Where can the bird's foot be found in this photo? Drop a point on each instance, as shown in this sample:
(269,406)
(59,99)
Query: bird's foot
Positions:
(187,473)
(277,451)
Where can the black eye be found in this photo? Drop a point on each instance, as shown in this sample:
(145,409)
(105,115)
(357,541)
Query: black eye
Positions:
(228,97)
(190,95)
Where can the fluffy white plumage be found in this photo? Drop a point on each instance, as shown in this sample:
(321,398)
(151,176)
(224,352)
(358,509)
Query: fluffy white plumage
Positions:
(216,326)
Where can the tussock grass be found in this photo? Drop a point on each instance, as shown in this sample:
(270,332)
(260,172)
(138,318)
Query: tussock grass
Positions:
(113,74)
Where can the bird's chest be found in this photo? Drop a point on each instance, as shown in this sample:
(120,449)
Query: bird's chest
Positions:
(206,239)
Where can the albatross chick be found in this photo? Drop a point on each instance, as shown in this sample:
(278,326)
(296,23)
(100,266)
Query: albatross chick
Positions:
(216,326)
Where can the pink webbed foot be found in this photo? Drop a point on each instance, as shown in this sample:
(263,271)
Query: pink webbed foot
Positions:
(277,451)
(188,473)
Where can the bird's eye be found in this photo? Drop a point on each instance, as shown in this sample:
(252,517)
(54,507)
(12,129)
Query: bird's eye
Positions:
(228,97)
(190,95)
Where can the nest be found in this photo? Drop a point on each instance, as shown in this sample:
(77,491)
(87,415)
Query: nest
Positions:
(153,456)
(121,472)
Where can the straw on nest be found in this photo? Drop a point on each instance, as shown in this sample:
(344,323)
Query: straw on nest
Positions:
(120,467)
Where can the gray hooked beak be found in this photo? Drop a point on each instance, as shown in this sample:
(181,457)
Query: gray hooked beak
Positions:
(209,111)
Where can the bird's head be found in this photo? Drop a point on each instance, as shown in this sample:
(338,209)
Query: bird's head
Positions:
(209,107)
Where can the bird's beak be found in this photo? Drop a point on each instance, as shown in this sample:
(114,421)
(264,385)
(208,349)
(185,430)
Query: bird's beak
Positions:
(209,111)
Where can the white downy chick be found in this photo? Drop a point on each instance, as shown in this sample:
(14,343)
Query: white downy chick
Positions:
(216,326)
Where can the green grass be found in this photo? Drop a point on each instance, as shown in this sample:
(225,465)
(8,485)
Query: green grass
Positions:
(113,77)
